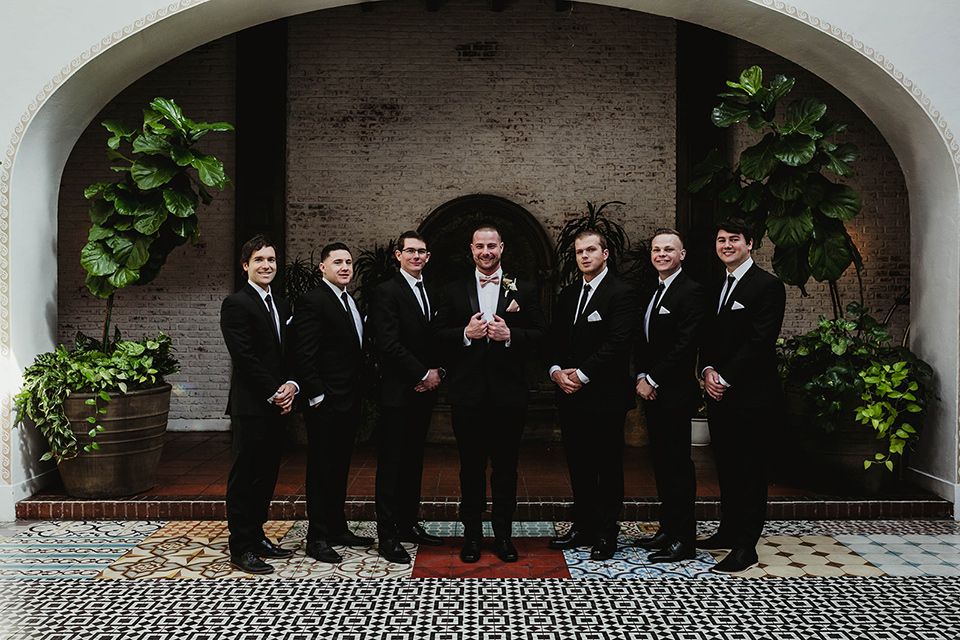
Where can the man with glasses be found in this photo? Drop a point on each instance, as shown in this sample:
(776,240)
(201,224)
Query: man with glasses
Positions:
(401,326)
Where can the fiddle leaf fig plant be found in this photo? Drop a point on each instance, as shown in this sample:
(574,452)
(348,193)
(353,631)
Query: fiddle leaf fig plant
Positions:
(780,185)
(152,207)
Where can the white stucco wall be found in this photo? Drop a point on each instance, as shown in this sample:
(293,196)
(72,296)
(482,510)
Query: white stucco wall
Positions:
(64,60)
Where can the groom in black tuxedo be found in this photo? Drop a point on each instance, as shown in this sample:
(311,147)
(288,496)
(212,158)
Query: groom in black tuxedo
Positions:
(665,359)
(488,324)
(739,363)
(329,339)
(592,330)
(403,337)
(254,325)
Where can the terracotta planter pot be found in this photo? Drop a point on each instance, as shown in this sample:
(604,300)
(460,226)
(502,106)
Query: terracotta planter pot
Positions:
(130,445)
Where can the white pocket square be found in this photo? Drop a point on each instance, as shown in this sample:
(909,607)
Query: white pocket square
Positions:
(289,320)
(664,311)
(736,306)
(594,317)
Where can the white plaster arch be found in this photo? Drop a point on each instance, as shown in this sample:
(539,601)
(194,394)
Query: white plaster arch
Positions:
(55,115)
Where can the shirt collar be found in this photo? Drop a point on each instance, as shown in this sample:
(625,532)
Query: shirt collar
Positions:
(335,288)
(477,274)
(410,279)
(259,289)
(596,280)
(741,271)
(669,279)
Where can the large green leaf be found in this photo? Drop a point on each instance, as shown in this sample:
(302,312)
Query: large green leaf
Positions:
(95,189)
(181,155)
(172,112)
(148,221)
(757,121)
(830,254)
(728,113)
(779,87)
(186,228)
(125,202)
(120,132)
(795,150)
(792,265)
(99,233)
(841,202)
(731,193)
(753,196)
(197,131)
(123,277)
(99,286)
(181,201)
(758,161)
(100,211)
(838,159)
(97,259)
(151,143)
(814,190)
(211,170)
(153,171)
(787,183)
(802,115)
(751,80)
(791,231)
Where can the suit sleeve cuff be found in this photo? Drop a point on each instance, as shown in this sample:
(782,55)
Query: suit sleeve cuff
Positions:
(466,341)
(552,369)
(294,383)
(583,377)
(652,383)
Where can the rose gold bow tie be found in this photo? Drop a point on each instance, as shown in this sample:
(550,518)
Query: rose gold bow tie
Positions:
(485,280)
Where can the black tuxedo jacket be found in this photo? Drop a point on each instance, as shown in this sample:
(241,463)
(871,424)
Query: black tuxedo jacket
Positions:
(600,349)
(488,365)
(740,341)
(668,354)
(259,364)
(403,339)
(328,353)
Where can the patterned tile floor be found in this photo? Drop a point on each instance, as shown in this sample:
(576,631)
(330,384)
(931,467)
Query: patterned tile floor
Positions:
(860,579)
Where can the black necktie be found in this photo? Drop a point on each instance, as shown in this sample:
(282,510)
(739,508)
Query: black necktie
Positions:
(583,300)
(656,299)
(273,321)
(423,299)
(730,282)
(346,305)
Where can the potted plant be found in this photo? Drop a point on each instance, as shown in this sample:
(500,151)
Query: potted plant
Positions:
(854,401)
(111,385)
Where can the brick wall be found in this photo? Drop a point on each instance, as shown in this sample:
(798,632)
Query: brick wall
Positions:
(184,301)
(397,111)
(881,231)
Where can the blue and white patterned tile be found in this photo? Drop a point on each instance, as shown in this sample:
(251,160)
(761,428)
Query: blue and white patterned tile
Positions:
(534,529)
(887,527)
(630,562)
(908,555)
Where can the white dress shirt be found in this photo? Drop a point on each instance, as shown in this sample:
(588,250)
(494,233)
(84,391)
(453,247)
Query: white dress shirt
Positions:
(488,297)
(357,322)
(597,279)
(646,318)
(416,292)
(276,321)
(737,274)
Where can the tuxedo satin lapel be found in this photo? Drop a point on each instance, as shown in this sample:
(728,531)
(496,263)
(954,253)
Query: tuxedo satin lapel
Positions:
(472,296)
(411,297)
(503,301)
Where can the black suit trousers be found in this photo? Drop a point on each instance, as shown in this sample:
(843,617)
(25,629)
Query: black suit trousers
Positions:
(401,437)
(738,435)
(330,437)
(669,430)
(257,448)
(593,444)
(488,432)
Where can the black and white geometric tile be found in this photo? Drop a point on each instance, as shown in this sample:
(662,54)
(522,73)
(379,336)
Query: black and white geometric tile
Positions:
(627,609)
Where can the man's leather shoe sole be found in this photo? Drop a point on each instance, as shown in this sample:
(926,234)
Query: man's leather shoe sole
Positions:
(323,552)
(571,540)
(350,539)
(267,549)
(714,543)
(417,535)
(654,543)
(393,552)
(673,552)
(604,549)
(470,552)
(736,561)
(250,563)
(506,551)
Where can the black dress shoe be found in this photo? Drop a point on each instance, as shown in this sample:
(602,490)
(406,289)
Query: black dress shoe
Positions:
(249,562)
(655,543)
(392,551)
(350,539)
(505,550)
(604,548)
(417,535)
(716,542)
(471,551)
(322,551)
(267,549)
(737,560)
(571,540)
(673,552)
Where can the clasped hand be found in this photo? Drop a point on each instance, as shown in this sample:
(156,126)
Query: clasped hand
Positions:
(567,379)
(646,390)
(711,382)
(283,398)
(431,382)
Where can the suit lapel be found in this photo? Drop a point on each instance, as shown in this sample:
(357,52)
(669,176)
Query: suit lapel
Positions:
(261,304)
(503,301)
(598,295)
(472,295)
(411,297)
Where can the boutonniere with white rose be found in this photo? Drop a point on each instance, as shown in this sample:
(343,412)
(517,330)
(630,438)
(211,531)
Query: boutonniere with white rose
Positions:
(508,284)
